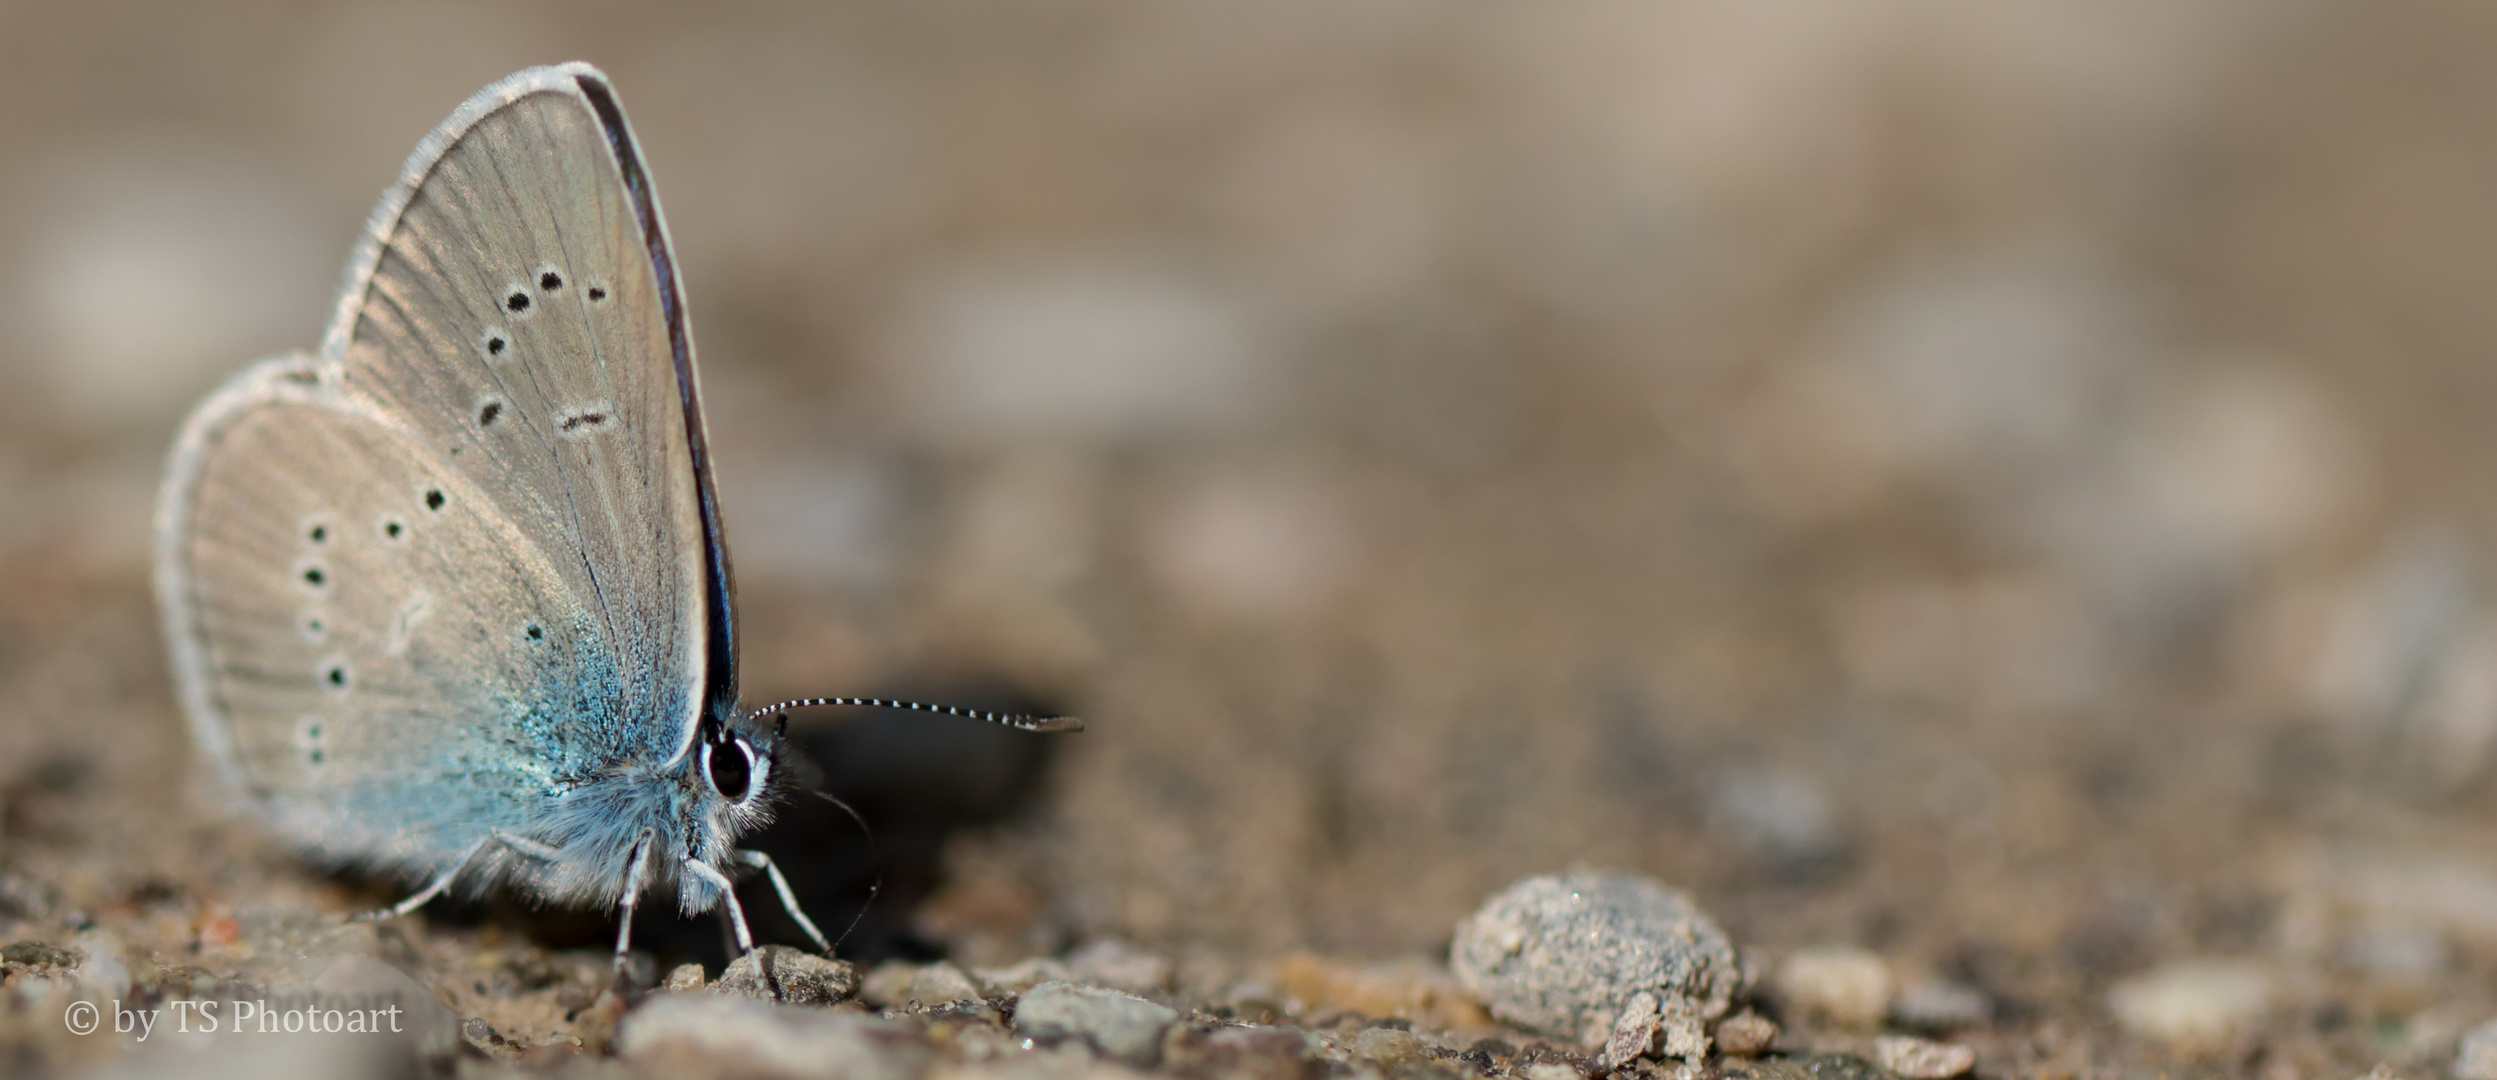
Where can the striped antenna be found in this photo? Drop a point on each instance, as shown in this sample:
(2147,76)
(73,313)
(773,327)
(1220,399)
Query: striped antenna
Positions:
(1044,724)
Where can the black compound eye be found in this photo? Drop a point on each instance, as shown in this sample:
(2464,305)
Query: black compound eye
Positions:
(731,767)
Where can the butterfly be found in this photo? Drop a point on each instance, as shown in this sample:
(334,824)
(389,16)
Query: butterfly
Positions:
(449,599)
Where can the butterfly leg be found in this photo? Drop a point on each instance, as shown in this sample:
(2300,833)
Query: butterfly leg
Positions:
(788,898)
(633,874)
(728,895)
(428,892)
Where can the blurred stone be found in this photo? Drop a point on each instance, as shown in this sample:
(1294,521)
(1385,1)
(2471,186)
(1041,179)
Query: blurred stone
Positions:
(2399,952)
(1025,974)
(710,1035)
(1922,1059)
(37,954)
(1120,966)
(2476,1057)
(1779,814)
(1570,954)
(2195,1004)
(1845,986)
(683,978)
(1937,1005)
(894,984)
(793,976)
(1746,1034)
(1240,1053)
(1387,1047)
(1413,991)
(102,971)
(1118,1025)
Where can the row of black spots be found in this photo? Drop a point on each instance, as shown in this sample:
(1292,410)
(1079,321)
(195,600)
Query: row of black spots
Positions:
(310,739)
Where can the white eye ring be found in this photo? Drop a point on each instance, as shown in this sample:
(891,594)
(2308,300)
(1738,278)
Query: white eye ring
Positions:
(757,770)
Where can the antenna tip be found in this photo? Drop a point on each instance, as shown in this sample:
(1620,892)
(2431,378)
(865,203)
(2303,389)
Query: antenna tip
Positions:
(1055,724)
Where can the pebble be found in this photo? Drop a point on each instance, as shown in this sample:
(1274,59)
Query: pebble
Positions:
(1024,975)
(1922,1059)
(794,976)
(1746,1034)
(2477,1057)
(1119,966)
(894,984)
(2193,1003)
(712,1035)
(37,954)
(1239,1053)
(1387,1047)
(1119,1025)
(1424,993)
(683,978)
(1571,954)
(1845,986)
(1937,1005)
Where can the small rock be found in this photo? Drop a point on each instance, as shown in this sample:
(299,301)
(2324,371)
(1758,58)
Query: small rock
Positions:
(1425,993)
(683,978)
(1025,974)
(1566,955)
(1387,1047)
(37,954)
(1115,964)
(1551,1070)
(1746,1034)
(1843,986)
(101,969)
(1938,1005)
(894,984)
(1240,1053)
(1634,1032)
(711,1035)
(1922,1059)
(2477,1057)
(794,976)
(2194,1003)
(1118,1025)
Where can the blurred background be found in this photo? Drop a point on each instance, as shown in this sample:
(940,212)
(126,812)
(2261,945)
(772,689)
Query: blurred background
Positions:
(1997,485)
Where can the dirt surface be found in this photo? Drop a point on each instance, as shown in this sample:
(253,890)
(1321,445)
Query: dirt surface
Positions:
(1989,500)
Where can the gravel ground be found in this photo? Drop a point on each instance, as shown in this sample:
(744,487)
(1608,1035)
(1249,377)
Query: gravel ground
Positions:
(1984,502)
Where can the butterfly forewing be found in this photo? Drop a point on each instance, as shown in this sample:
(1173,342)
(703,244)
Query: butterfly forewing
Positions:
(514,317)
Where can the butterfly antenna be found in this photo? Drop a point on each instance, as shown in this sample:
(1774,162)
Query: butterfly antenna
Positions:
(875,852)
(1018,721)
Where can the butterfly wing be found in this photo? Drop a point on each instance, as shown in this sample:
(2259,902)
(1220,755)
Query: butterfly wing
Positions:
(516,302)
(508,382)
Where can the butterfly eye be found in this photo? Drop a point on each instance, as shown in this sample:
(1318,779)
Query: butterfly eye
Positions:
(731,774)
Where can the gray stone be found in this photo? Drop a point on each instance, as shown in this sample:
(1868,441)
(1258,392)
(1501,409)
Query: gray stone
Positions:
(1841,985)
(1024,975)
(713,1035)
(2476,1059)
(2195,1004)
(1118,1025)
(894,984)
(1922,1059)
(1570,954)
(793,976)
(1746,1034)
(683,979)
(1938,1005)
(1119,966)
